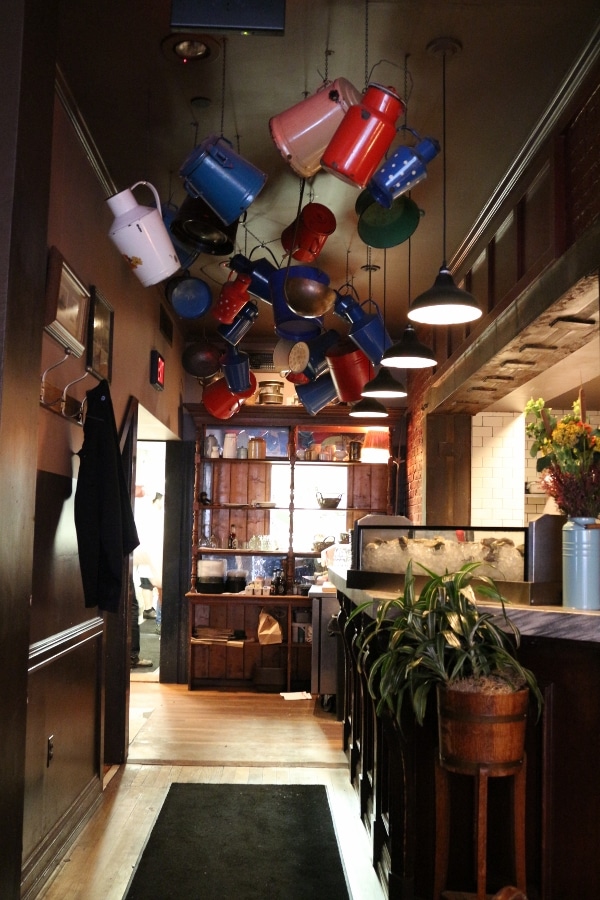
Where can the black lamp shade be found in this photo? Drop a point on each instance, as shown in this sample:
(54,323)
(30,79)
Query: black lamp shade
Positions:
(368,409)
(384,385)
(408,353)
(444,303)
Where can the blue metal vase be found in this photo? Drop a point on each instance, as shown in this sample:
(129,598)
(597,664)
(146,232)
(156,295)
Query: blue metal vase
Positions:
(581,563)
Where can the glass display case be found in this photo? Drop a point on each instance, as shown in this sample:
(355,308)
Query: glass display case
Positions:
(524,561)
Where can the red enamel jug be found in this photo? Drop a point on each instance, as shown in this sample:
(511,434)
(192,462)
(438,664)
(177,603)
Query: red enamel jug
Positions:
(364,136)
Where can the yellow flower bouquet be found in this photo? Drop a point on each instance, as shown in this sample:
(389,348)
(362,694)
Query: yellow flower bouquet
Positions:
(569,457)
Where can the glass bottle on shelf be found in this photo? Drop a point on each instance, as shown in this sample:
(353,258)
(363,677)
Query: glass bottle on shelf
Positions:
(208,539)
(232,541)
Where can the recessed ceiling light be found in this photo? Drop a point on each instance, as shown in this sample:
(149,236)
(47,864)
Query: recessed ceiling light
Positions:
(188,48)
(200,102)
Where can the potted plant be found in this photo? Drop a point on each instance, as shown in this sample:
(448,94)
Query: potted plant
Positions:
(439,637)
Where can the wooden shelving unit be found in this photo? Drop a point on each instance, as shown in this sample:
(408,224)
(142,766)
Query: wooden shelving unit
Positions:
(234,664)
(234,487)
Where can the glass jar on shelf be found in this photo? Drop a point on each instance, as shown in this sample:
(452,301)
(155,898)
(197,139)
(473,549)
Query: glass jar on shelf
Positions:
(208,540)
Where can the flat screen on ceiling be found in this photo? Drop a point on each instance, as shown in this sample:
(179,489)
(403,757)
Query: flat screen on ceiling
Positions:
(264,16)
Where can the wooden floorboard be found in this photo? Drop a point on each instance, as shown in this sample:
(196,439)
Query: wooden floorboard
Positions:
(201,737)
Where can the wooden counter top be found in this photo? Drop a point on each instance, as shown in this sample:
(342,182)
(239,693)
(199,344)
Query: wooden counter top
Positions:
(541,621)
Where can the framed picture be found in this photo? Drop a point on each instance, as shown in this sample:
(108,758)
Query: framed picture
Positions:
(100,336)
(67,303)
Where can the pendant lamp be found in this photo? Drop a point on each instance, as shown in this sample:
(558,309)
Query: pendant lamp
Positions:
(408,353)
(368,408)
(384,385)
(376,445)
(444,303)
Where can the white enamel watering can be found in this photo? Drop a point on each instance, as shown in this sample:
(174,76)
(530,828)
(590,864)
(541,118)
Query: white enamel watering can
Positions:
(140,234)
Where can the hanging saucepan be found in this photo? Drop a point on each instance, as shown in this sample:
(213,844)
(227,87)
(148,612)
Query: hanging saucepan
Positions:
(382,228)
(187,255)
(201,359)
(190,297)
(199,227)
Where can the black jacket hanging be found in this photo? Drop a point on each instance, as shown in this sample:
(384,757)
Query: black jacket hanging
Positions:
(104,520)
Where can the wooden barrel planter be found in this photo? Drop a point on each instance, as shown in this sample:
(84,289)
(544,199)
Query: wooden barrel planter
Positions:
(478,729)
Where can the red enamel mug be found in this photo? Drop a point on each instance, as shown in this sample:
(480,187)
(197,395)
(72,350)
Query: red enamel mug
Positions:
(307,234)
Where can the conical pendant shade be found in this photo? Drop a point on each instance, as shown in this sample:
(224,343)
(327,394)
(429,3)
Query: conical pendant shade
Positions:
(384,385)
(368,409)
(444,303)
(408,353)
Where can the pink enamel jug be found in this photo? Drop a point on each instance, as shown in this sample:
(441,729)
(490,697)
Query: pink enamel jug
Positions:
(302,132)
(364,136)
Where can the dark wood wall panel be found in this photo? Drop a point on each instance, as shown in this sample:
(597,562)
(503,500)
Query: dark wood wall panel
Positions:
(57,590)
(64,706)
(448,476)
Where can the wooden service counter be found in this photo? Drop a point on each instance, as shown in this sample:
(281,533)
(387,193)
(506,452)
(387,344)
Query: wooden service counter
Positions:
(393,772)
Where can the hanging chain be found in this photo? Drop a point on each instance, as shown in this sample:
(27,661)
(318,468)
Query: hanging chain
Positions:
(406,55)
(366,44)
(384,281)
(328,53)
(223,85)
(444,158)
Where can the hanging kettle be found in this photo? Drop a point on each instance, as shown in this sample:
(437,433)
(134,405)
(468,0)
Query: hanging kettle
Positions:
(401,171)
(141,236)
(187,254)
(364,136)
(196,225)
(232,298)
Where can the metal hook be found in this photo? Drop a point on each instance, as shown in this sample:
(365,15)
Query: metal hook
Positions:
(45,372)
(63,400)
